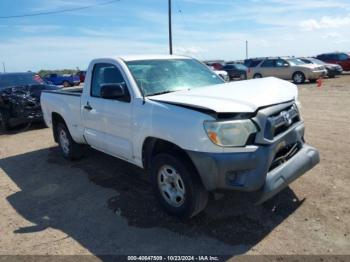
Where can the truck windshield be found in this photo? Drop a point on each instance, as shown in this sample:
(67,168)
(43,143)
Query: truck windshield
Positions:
(156,77)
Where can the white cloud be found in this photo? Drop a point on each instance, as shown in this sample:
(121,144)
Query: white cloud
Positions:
(37,28)
(325,22)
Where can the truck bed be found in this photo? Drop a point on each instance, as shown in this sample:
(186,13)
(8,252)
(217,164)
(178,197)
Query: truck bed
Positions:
(66,103)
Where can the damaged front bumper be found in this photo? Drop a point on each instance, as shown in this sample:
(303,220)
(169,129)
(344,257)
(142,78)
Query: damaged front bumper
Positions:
(268,169)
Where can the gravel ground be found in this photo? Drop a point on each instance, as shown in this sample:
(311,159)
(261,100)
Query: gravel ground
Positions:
(101,205)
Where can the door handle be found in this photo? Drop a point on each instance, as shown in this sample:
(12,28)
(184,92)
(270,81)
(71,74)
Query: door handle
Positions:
(87,106)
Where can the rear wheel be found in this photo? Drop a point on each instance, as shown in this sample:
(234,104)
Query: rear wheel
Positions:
(4,120)
(69,148)
(298,78)
(66,84)
(177,186)
(257,76)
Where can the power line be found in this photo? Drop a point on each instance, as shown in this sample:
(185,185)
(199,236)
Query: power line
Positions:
(59,11)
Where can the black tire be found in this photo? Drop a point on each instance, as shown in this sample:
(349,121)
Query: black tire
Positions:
(4,120)
(70,150)
(257,76)
(298,78)
(195,195)
(66,84)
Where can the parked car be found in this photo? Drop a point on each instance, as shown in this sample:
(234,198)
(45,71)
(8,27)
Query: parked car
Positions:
(288,69)
(332,69)
(236,71)
(20,98)
(342,59)
(81,75)
(223,74)
(190,130)
(65,80)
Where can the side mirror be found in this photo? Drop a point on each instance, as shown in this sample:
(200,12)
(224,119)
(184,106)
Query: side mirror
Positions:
(112,91)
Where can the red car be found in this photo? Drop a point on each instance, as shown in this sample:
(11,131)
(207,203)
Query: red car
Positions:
(215,65)
(342,59)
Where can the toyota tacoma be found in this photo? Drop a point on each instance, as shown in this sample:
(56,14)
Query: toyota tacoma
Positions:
(192,132)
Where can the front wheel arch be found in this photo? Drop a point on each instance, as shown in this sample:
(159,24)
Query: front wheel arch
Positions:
(153,146)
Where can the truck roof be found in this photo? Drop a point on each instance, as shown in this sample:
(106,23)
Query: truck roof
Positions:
(151,57)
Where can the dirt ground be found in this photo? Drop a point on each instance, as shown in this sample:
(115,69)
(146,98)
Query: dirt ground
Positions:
(101,205)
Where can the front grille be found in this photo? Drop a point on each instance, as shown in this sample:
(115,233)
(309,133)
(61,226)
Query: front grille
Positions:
(284,154)
(281,121)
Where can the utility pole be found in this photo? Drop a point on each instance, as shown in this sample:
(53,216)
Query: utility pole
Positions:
(3,65)
(170,31)
(246,49)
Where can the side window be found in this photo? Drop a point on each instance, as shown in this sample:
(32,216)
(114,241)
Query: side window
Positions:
(104,73)
(268,63)
(255,63)
(333,57)
(281,63)
(342,57)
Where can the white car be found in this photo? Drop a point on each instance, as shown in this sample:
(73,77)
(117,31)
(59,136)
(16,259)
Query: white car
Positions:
(223,74)
(193,132)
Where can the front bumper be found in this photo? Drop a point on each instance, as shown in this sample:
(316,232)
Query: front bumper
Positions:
(251,171)
(334,71)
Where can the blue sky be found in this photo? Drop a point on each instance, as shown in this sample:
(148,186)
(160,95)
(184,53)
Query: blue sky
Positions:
(205,29)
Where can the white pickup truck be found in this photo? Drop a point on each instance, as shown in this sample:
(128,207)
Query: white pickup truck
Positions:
(193,132)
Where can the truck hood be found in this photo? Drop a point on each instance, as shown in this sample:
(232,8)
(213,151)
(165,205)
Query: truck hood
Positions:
(236,97)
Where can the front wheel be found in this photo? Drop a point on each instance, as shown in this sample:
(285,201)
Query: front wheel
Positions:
(177,186)
(298,78)
(69,148)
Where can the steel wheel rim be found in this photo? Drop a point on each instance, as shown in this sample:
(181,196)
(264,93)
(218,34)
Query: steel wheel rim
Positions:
(64,141)
(171,186)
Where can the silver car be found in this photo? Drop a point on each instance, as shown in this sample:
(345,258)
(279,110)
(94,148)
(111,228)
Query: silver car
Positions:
(288,69)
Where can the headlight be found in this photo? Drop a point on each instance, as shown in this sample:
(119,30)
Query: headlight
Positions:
(230,133)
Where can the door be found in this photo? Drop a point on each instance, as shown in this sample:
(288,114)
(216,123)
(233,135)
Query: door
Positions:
(267,68)
(108,121)
(282,69)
